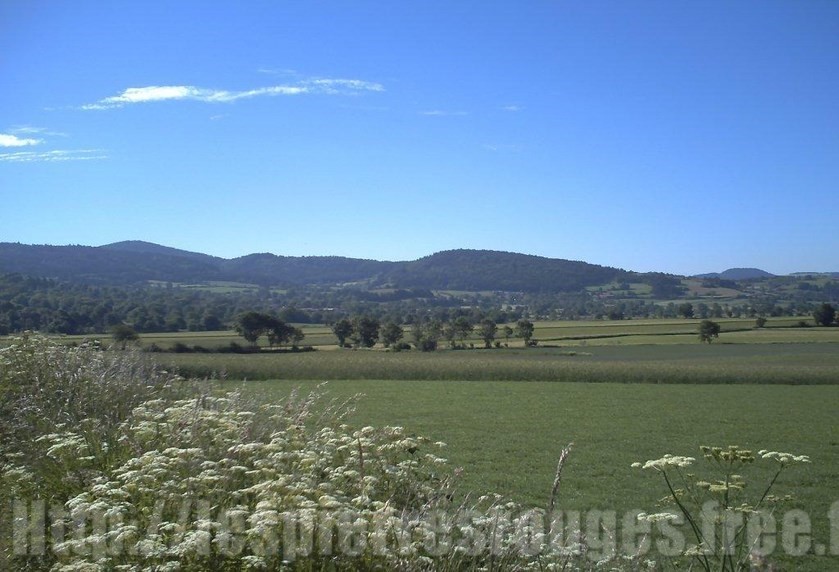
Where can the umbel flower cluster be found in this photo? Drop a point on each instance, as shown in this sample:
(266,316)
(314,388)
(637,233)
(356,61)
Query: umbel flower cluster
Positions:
(719,510)
(214,481)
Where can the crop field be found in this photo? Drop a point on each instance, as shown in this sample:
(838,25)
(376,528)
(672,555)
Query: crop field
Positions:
(788,363)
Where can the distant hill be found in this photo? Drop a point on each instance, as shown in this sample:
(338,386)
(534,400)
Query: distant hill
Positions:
(102,265)
(472,270)
(738,274)
(475,270)
(143,247)
(272,269)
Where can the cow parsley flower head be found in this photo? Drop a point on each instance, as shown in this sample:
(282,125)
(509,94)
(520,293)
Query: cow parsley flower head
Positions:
(783,458)
(666,462)
(658,517)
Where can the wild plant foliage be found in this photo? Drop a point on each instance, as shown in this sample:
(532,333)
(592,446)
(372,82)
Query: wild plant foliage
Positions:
(62,409)
(726,521)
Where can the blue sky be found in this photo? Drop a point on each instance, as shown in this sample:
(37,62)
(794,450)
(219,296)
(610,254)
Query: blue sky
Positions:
(683,137)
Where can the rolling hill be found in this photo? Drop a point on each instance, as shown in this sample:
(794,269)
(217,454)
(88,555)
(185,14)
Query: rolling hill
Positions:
(132,262)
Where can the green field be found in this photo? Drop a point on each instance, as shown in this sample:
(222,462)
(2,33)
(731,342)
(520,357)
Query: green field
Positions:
(507,435)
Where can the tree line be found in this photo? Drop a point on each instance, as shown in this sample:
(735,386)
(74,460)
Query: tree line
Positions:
(52,306)
(427,334)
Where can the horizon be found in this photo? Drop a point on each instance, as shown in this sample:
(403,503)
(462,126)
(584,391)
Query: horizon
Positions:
(685,139)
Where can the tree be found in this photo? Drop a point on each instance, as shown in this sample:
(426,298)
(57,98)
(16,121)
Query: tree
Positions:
(450,333)
(342,329)
(427,335)
(524,330)
(458,329)
(297,336)
(463,328)
(123,333)
(708,330)
(686,310)
(212,323)
(760,322)
(391,333)
(277,330)
(824,315)
(365,331)
(486,331)
(508,331)
(251,326)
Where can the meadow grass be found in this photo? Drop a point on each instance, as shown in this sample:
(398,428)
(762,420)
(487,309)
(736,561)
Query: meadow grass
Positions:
(507,435)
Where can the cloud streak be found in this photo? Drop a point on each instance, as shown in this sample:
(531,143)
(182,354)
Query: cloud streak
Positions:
(157,93)
(442,113)
(11,139)
(59,155)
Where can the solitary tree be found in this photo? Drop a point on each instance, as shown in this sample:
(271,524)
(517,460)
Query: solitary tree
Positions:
(708,330)
(253,325)
(824,315)
(487,331)
(123,333)
(342,329)
(524,330)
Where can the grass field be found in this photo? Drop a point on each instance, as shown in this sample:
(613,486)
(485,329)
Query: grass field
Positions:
(507,435)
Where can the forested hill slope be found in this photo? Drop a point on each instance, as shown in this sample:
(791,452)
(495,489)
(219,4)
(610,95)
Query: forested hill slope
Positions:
(134,262)
(102,264)
(475,270)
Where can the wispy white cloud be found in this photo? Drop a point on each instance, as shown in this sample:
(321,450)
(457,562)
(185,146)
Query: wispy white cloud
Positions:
(336,86)
(10,140)
(156,93)
(273,71)
(53,156)
(30,130)
(441,113)
(512,108)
